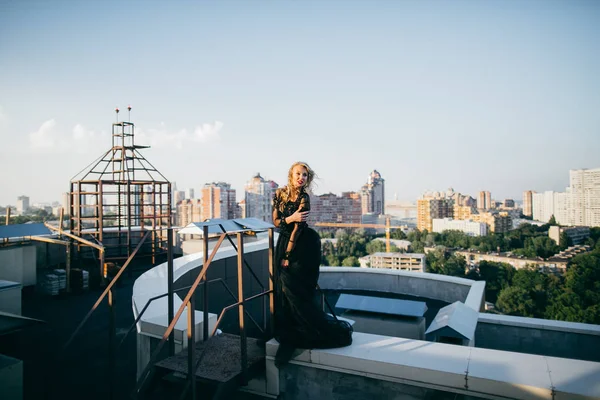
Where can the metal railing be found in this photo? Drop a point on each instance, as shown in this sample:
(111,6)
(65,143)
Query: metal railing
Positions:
(108,291)
(189,302)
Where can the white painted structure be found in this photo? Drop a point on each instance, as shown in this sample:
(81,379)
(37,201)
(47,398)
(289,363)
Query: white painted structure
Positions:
(421,365)
(467,226)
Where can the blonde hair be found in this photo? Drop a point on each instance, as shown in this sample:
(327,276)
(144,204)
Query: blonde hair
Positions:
(286,192)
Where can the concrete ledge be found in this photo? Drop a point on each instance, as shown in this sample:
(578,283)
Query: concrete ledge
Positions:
(434,286)
(544,324)
(458,369)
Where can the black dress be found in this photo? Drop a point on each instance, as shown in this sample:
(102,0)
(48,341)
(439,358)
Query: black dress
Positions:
(299,320)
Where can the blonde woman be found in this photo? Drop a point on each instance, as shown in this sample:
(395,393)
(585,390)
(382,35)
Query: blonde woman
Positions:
(299,321)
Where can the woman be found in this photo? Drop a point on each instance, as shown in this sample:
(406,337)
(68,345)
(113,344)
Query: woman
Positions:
(299,321)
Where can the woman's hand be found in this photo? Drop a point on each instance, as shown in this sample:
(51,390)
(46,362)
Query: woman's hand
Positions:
(285,263)
(299,216)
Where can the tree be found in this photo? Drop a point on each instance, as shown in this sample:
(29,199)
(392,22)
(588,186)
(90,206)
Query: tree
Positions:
(581,296)
(350,262)
(541,288)
(565,241)
(552,221)
(515,300)
(497,276)
(332,260)
(375,246)
(438,263)
(398,234)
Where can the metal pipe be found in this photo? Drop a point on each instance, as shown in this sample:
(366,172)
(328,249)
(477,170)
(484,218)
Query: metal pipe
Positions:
(240,270)
(191,333)
(148,368)
(271,283)
(170,293)
(229,307)
(205,302)
(108,288)
(111,343)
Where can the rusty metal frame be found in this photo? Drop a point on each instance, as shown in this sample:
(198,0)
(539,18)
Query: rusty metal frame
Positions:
(118,197)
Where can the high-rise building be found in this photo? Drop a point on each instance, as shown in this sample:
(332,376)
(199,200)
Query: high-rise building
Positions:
(508,203)
(218,201)
(66,200)
(22,204)
(528,203)
(497,222)
(179,197)
(188,211)
(430,208)
(373,194)
(346,208)
(585,197)
(190,194)
(484,200)
(463,212)
(258,196)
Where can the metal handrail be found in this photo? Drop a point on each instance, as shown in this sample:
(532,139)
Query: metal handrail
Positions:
(229,307)
(189,302)
(103,295)
(112,330)
(139,317)
(186,303)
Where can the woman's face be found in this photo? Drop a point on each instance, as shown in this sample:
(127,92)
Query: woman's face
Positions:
(299,176)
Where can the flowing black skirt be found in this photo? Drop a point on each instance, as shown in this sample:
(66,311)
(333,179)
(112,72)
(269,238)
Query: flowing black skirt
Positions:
(299,319)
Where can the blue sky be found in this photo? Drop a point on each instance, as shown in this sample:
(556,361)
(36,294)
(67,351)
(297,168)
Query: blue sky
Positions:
(476,95)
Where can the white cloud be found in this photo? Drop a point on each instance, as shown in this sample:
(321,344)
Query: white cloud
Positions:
(45,137)
(48,137)
(208,132)
(163,137)
(85,140)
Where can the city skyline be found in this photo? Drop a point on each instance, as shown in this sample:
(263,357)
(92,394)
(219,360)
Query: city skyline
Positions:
(492,96)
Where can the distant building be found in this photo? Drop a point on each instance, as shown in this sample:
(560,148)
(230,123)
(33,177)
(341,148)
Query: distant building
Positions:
(463,212)
(484,200)
(373,194)
(585,197)
(429,209)
(400,209)
(508,203)
(469,227)
(190,194)
(218,201)
(346,208)
(179,196)
(188,211)
(576,234)
(22,204)
(518,262)
(66,205)
(414,262)
(258,197)
(528,203)
(550,203)
(497,222)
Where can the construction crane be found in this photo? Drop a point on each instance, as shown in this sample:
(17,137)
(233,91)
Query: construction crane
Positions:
(387,228)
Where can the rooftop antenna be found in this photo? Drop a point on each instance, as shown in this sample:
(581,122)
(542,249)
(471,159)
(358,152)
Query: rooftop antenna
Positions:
(129,114)
(117,112)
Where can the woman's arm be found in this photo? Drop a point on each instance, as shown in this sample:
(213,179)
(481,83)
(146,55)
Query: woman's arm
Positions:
(299,226)
(278,221)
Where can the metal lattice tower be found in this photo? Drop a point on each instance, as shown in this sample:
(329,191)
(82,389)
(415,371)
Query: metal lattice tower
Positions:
(119,197)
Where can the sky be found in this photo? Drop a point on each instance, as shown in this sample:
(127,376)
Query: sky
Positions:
(501,96)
